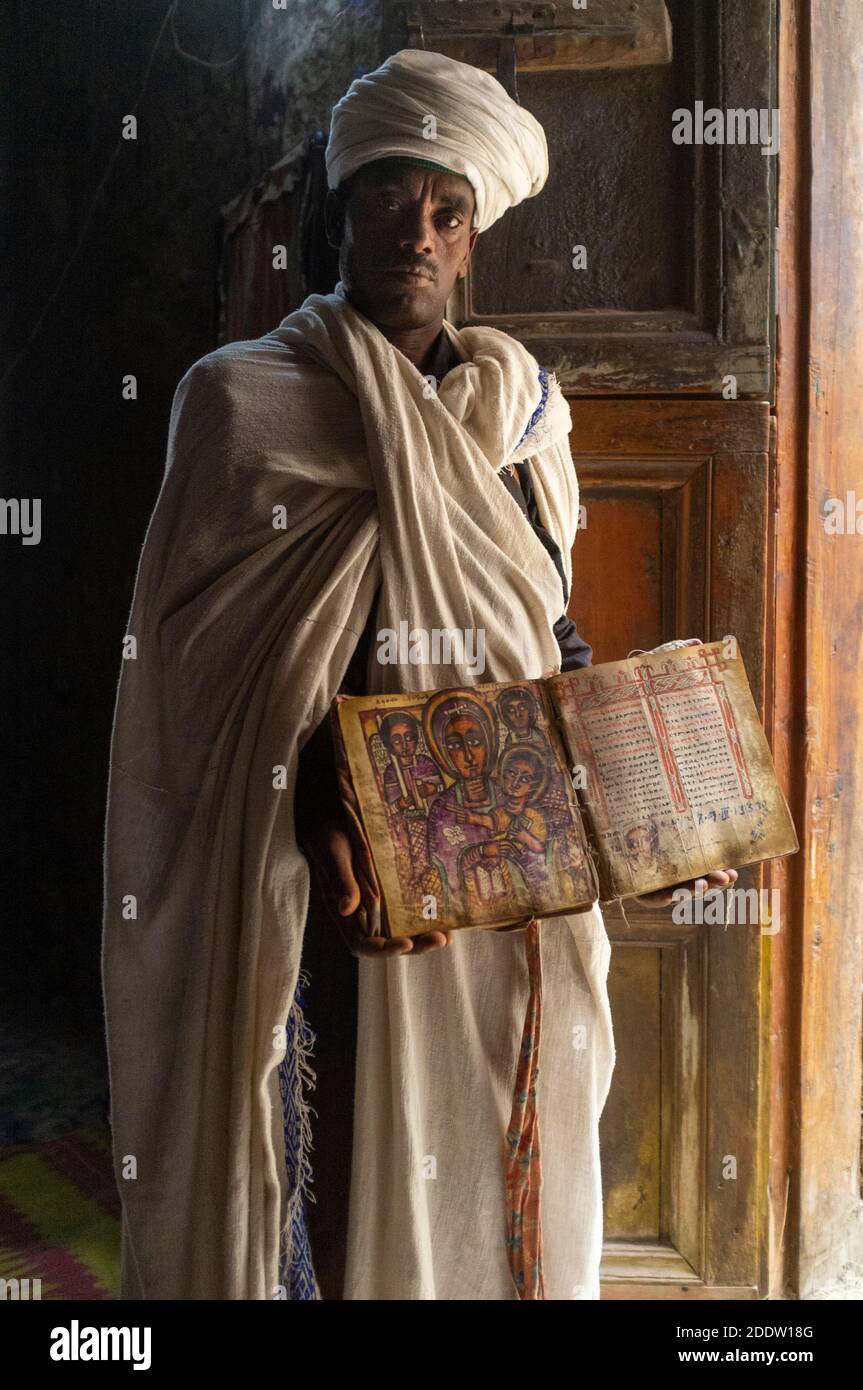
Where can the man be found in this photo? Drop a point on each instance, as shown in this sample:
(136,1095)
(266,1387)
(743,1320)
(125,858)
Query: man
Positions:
(318,490)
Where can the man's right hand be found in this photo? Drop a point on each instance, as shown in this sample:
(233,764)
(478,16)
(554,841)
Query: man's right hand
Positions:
(346,881)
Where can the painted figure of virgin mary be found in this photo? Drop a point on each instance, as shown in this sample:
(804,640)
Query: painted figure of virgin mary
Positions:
(467,843)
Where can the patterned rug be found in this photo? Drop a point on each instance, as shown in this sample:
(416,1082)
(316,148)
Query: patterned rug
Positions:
(60,1216)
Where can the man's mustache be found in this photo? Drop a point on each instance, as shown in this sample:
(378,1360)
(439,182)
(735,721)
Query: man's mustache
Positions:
(423,266)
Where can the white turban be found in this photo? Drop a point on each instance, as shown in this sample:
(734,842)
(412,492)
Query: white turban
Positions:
(478,130)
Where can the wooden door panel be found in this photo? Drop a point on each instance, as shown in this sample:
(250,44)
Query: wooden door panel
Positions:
(675,544)
(643,266)
(642,514)
(632,1123)
(629,596)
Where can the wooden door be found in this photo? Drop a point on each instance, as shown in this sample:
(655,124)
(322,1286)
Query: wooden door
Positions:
(677,499)
(643,267)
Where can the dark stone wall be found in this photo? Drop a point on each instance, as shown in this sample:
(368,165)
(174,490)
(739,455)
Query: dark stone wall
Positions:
(139,298)
(300,61)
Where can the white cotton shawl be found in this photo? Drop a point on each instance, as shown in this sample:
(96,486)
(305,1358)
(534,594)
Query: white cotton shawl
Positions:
(242,632)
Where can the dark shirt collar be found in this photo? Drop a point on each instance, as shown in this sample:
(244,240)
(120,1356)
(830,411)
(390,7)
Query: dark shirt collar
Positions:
(443,357)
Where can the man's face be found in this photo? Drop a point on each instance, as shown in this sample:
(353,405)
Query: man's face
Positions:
(404,238)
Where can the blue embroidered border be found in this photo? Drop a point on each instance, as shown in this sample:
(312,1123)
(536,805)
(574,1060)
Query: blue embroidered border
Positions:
(296,1271)
(543,381)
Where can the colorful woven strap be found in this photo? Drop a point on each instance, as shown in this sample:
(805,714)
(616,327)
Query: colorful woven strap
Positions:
(523,1168)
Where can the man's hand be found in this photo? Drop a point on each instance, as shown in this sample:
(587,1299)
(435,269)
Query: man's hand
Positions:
(719,878)
(346,880)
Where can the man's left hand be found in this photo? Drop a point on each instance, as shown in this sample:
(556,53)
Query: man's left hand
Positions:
(719,878)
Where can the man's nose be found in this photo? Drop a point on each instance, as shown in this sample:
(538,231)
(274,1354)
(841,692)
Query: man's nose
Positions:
(417,227)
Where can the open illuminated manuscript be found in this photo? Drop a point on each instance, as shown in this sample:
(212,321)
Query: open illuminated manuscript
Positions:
(485,805)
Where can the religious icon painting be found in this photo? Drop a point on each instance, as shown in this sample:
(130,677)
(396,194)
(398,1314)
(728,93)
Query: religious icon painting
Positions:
(468,805)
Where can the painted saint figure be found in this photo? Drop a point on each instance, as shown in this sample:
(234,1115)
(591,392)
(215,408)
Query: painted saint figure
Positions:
(411,779)
(522,777)
(644,854)
(642,843)
(519,710)
(460,731)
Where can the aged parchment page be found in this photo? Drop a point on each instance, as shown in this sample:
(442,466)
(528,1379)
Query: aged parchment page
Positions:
(677,772)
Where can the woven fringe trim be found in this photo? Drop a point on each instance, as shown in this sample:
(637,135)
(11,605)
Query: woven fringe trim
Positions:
(531,424)
(296,1078)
